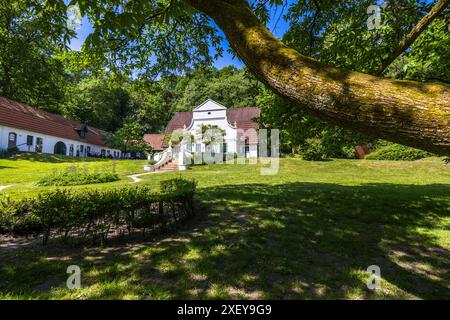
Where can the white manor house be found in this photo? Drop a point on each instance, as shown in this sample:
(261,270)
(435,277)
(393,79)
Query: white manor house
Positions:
(238,129)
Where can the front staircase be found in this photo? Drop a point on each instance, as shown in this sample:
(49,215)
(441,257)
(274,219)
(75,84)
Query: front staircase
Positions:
(169,166)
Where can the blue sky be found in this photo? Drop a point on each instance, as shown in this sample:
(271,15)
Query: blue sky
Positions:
(277,25)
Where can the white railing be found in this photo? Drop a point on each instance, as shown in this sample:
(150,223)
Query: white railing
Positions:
(166,157)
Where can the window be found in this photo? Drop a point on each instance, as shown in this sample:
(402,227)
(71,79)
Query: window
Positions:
(39,144)
(103,152)
(12,140)
(88,150)
(30,140)
(71,150)
(225,146)
(81,148)
(198,148)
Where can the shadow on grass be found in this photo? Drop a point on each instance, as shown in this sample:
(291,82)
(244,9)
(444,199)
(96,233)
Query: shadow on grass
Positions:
(51,158)
(288,241)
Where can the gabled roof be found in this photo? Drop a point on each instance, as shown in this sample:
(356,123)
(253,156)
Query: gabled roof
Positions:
(209,104)
(245,118)
(155,141)
(21,116)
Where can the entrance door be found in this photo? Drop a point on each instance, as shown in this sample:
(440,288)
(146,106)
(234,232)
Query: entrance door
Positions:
(60,148)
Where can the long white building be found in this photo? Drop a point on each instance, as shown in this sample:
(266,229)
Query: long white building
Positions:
(32,130)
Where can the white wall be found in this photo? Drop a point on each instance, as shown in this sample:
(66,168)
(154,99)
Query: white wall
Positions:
(48,142)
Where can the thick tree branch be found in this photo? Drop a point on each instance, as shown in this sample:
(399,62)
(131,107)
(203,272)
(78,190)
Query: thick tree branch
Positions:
(407,112)
(412,36)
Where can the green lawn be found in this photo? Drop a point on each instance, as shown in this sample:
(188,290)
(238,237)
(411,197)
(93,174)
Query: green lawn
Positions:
(308,232)
(23,171)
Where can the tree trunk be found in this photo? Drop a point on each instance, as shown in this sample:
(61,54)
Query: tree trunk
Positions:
(407,112)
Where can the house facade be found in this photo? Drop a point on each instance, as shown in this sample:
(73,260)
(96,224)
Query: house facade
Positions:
(28,129)
(238,127)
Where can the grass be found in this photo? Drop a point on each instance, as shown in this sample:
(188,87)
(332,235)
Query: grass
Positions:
(308,232)
(23,171)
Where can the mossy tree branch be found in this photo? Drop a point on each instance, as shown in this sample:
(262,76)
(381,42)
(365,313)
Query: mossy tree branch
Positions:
(411,113)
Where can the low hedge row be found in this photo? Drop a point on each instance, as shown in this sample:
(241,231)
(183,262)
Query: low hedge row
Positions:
(95,214)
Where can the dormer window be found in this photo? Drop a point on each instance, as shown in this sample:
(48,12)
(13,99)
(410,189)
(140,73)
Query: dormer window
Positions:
(82,131)
(209,112)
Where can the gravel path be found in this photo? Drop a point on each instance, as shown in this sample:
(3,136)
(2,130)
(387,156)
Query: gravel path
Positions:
(135,177)
(4,187)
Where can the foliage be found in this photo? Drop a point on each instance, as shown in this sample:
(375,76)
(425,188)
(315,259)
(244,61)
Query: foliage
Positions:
(313,150)
(152,104)
(296,126)
(428,59)
(30,34)
(100,102)
(229,86)
(95,213)
(73,175)
(129,138)
(210,133)
(15,217)
(398,152)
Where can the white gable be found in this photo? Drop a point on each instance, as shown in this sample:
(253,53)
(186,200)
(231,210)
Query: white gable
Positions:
(209,105)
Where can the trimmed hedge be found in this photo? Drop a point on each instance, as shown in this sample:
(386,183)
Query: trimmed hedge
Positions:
(94,214)
(398,152)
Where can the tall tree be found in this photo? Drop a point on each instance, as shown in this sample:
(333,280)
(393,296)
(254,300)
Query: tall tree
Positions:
(228,86)
(30,32)
(98,101)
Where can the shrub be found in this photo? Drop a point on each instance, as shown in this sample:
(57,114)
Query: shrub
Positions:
(73,175)
(313,150)
(15,217)
(397,152)
(152,162)
(93,213)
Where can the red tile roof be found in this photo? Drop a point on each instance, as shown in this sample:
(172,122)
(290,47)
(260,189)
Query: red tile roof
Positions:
(155,141)
(21,116)
(178,121)
(245,118)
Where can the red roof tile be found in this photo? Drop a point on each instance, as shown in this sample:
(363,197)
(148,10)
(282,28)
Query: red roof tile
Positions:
(245,118)
(155,141)
(21,116)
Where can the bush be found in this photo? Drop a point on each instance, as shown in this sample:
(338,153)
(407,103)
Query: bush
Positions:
(398,152)
(152,162)
(94,214)
(313,150)
(73,175)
